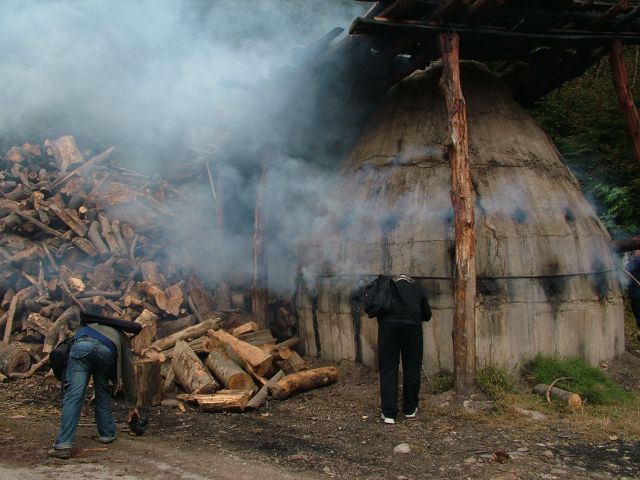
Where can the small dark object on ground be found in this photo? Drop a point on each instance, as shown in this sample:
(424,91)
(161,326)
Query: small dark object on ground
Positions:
(137,425)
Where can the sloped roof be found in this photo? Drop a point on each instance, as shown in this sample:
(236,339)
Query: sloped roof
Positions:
(535,45)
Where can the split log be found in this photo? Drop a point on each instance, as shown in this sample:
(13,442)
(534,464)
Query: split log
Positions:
(168,327)
(294,363)
(198,345)
(37,322)
(115,228)
(302,381)
(86,245)
(462,198)
(74,223)
(228,372)
(199,295)
(291,342)
(144,339)
(261,337)
(190,372)
(13,307)
(148,382)
(224,401)
(65,152)
(13,360)
(259,398)
(59,329)
(259,360)
(107,235)
(169,386)
(151,274)
(187,334)
(248,327)
(94,235)
(174,299)
(194,309)
(95,160)
(572,399)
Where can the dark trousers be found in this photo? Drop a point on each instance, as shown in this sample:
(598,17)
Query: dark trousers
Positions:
(394,340)
(635,308)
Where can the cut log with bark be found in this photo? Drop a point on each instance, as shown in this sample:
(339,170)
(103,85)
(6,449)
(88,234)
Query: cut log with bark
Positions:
(302,381)
(293,363)
(259,398)
(148,382)
(259,360)
(168,327)
(228,372)
(37,322)
(573,400)
(190,372)
(145,338)
(249,327)
(59,330)
(169,385)
(74,223)
(189,333)
(222,401)
(13,360)
(94,235)
(260,337)
(65,152)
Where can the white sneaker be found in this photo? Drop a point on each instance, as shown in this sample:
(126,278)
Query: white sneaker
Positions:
(389,420)
(412,414)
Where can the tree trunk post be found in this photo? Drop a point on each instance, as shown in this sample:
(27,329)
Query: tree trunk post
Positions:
(259,288)
(464,325)
(621,83)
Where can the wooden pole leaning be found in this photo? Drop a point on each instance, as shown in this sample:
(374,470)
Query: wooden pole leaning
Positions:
(621,83)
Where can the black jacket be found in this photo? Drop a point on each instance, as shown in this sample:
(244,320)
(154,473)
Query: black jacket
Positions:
(416,308)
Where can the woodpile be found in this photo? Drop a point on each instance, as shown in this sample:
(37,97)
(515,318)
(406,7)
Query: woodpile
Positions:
(80,233)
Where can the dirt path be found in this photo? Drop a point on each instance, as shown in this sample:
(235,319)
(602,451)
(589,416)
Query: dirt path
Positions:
(333,432)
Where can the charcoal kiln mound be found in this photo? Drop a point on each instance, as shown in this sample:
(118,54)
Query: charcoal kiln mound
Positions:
(546,280)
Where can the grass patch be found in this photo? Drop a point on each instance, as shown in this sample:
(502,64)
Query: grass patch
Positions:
(589,382)
(495,381)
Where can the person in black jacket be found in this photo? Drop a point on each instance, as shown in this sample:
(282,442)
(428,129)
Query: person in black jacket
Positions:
(400,334)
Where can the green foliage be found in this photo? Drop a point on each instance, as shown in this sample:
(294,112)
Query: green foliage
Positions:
(495,381)
(585,121)
(441,382)
(589,382)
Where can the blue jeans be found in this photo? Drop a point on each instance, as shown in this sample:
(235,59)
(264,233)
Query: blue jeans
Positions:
(88,357)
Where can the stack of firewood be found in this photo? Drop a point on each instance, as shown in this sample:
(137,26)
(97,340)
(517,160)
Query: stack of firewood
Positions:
(80,232)
(220,370)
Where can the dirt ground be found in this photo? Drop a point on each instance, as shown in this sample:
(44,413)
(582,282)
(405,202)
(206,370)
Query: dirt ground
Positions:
(335,432)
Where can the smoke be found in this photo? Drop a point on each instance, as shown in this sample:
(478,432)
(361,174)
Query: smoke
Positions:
(162,79)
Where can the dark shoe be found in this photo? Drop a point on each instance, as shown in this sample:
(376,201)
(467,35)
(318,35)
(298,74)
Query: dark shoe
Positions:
(411,414)
(63,453)
(106,439)
(388,420)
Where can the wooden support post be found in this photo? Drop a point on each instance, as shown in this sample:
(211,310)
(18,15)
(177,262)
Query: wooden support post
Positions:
(464,335)
(621,82)
(259,290)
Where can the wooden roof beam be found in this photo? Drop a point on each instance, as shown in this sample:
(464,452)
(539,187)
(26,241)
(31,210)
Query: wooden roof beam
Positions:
(448,10)
(609,15)
(565,38)
(482,10)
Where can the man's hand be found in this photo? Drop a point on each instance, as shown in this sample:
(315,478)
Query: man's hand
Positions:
(132,413)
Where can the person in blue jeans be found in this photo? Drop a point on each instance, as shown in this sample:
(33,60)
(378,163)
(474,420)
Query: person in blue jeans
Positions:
(104,353)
